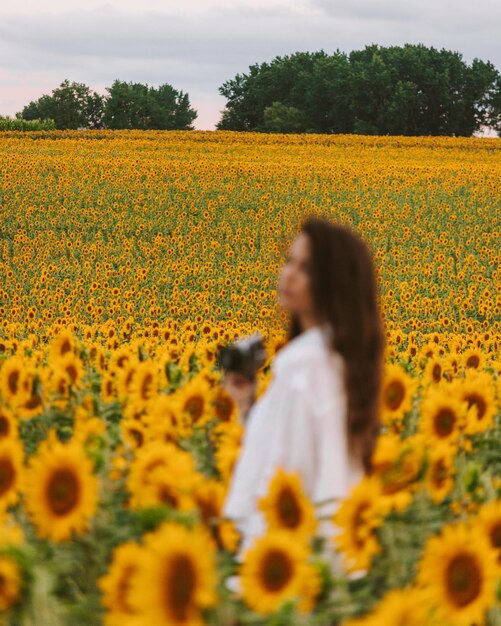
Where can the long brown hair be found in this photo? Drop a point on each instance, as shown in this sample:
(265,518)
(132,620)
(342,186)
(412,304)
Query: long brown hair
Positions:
(344,290)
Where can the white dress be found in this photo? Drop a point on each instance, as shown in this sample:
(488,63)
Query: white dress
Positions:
(298,423)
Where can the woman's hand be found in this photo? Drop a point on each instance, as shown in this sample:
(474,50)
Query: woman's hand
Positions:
(241,389)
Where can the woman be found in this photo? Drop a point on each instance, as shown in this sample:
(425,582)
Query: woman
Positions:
(319,414)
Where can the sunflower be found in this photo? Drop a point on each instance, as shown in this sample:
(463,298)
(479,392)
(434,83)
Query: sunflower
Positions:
(489,519)
(144,383)
(275,570)
(193,399)
(209,497)
(286,505)
(176,578)
(11,471)
(434,370)
(224,407)
(356,520)
(229,535)
(180,465)
(115,585)
(60,490)
(440,472)
(10,378)
(228,447)
(399,607)
(108,390)
(11,533)
(477,390)
(71,365)
(8,424)
(442,414)
(398,463)
(62,344)
(10,582)
(458,573)
(397,392)
(167,487)
(133,432)
(124,377)
(473,359)
(164,421)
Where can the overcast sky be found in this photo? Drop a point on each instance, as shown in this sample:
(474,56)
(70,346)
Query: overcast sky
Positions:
(197,46)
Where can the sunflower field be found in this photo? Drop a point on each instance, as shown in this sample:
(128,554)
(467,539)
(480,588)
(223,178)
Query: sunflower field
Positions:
(128,258)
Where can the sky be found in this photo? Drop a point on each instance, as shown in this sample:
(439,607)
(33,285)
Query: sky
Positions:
(197,46)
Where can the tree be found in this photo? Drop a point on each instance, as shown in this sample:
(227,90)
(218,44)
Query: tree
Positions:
(279,118)
(135,105)
(71,105)
(402,90)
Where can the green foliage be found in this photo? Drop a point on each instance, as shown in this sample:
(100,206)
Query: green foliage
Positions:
(395,90)
(134,105)
(71,105)
(127,105)
(18,123)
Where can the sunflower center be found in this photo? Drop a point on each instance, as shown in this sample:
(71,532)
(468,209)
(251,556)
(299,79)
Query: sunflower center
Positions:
(395,394)
(495,537)
(276,570)
(72,373)
(359,523)
(63,492)
(13,381)
(4,426)
(168,496)
(180,587)
(137,435)
(65,347)
(479,402)
(472,361)
(194,406)
(146,387)
(123,590)
(439,473)
(444,422)
(464,580)
(7,475)
(289,510)
(437,372)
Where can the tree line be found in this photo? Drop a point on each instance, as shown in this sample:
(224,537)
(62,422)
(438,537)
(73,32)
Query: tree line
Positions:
(394,90)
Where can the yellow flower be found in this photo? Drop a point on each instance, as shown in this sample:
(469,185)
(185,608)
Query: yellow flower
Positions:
(10,587)
(144,383)
(357,518)
(397,392)
(440,471)
(179,477)
(194,400)
(116,584)
(458,573)
(176,579)
(477,391)
(275,570)
(442,414)
(229,535)
(60,490)
(397,462)
(398,607)
(287,506)
(11,471)
(489,519)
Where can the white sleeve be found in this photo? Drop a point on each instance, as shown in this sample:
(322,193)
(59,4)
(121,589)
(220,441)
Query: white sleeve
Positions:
(300,428)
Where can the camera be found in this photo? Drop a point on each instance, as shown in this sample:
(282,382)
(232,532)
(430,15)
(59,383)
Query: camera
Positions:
(244,356)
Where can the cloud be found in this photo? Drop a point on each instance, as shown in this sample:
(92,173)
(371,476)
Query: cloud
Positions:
(197,51)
